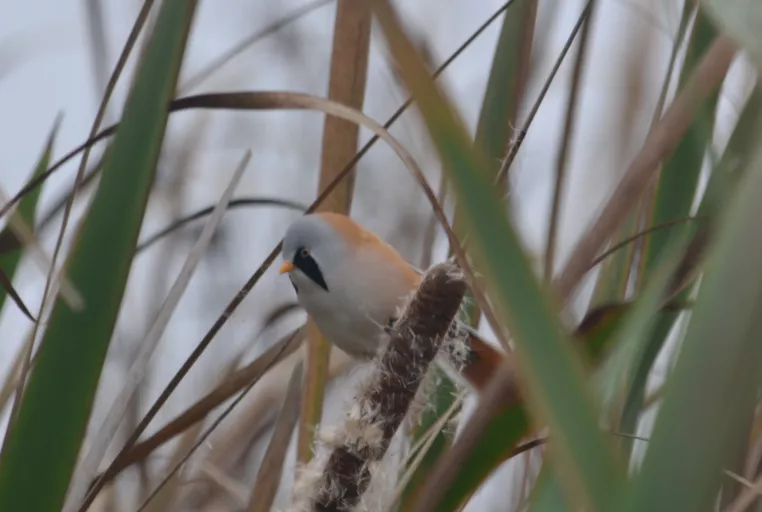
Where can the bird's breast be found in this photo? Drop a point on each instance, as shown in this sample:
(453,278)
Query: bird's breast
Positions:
(345,320)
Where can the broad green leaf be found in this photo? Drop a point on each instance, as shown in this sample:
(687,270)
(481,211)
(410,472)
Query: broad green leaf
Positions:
(27,211)
(42,447)
(547,495)
(552,370)
(713,385)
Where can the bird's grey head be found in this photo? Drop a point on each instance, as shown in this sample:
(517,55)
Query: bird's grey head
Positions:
(311,249)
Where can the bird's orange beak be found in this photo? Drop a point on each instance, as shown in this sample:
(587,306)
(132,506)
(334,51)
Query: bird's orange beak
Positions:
(286,267)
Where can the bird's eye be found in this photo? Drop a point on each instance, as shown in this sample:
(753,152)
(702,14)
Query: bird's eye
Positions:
(304,253)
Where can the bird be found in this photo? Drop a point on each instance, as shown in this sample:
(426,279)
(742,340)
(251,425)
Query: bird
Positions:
(353,284)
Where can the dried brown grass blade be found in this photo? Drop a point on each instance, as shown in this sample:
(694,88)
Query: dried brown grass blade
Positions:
(202,438)
(349,72)
(662,139)
(247,375)
(233,441)
(271,468)
(348,167)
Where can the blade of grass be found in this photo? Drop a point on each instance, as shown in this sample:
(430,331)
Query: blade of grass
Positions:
(98,44)
(139,367)
(57,280)
(564,148)
(203,212)
(615,274)
(678,179)
(252,101)
(699,417)
(553,371)
(42,447)
(202,438)
(522,133)
(7,287)
(716,193)
(107,132)
(662,139)
(194,414)
(349,72)
(271,467)
(27,209)
(498,442)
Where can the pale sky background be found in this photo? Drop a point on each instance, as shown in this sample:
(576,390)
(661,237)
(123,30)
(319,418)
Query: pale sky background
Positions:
(46,68)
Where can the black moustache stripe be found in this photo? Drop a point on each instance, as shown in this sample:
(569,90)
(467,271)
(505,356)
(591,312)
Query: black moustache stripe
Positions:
(310,268)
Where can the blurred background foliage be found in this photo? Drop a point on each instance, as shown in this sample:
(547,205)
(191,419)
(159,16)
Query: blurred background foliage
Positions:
(651,92)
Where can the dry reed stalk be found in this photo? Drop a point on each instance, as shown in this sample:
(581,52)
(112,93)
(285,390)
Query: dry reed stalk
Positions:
(338,481)
(349,73)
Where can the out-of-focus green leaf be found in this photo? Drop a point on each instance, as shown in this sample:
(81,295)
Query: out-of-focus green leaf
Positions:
(678,180)
(505,91)
(506,83)
(10,247)
(721,183)
(713,386)
(440,401)
(42,447)
(505,88)
(547,495)
(499,441)
(614,377)
(553,371)
(742,20)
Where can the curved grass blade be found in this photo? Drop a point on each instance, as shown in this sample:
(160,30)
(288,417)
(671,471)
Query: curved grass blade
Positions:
(347,169)
(553,370)
(41,450)
(202,212)
(700,418)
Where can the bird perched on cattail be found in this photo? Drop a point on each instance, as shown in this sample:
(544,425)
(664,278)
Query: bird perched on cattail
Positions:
(352,284)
